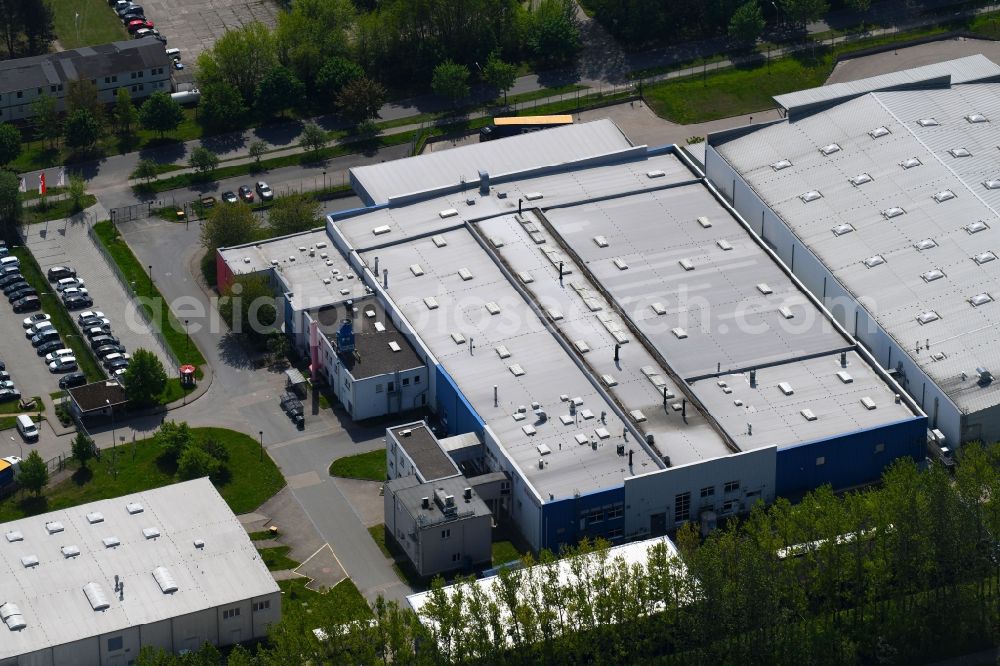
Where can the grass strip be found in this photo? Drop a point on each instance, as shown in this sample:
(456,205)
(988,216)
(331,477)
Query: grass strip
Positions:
(365,466)
(61,318)
(13,407)
(378,535)
(85,23)
(56,210)
(276,558)
(302,609)
(150,298)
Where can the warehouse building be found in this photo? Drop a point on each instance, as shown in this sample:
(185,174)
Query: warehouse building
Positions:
(882,196)
(170,568)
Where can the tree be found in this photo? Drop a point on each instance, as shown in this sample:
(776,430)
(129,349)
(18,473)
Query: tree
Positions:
(221,108)
(10,144)
(257,150)
(82,448)
(82,94)
(145,378)
(126,115)
(360,100)
(451,80)
(313,137)
(34,473)
(173,438)
(499,74)
(227,226)
(82,130)
(277,345)
(747,23)
(203,160)
(45,118)
(39,26)
(11,24)
(800,12)
(248,306)
(278,91)
(553,36)
(146,169)
(240,58)
(293,213)
(161,113)
(195,463)
(77,192)
(11,210)
(336,73)
(214,448)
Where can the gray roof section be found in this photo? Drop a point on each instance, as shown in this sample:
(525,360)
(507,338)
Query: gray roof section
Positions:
(410,495)
(51,595)
(373,333)
(425,451)
(87,63)
(962,70)
(552,147)
(964,337)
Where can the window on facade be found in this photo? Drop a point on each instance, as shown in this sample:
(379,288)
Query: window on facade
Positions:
(392,386)
(708,491)
(107,79)
(19,94)
(132,75)
(230,613)
(416,380)
(114,79)
(505,487)
(140,74)
(115,644)
(615,511)
(38,92)
(879,448)
(682,506)
(446,534)
(261,605)
(456,557)
(821,460)
(60,86)
(52,88)
(378,388)
(406,381)
(730,505)
(731,486)
(593,516)
(615,533)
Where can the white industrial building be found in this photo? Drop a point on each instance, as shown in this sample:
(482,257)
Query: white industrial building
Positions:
(882,195)
(170,568)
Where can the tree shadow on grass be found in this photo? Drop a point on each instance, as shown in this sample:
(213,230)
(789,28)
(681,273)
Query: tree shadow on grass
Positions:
(34,505)
(82,476)
(167,464)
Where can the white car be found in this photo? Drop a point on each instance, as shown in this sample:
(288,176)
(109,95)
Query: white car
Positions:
(35,319)
(73,291)
(88,314)
(57,354)
(66,283)
(38,328)
(63,364)
(7,384)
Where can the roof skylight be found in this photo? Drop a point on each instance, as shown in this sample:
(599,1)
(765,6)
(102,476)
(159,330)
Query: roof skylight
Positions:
(842,229)
(928,122)
(980,299)
(976,118)
(872,262)
(984,257)
(879,132)
(811,195)
(992,184)
(944,195)
(925,244)
(976,227)
(890,213)
(910,163)
(860,179)
(933,274)
(830,149)
(927,317)
(960,152)
(781,164)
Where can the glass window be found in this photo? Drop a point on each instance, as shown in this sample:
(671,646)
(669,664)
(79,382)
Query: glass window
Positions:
(446,534)
(115,644)
(708,491)
(682,506)
(406,381)
(416,380)
(731,486)
(456,557)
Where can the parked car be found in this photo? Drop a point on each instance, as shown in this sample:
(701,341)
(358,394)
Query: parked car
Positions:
(11,279)
(34,319)
(4,375)
(15,286)
(9,270)
(7,396)
(89,313)
(72,379)
(111,359)
(246,193)
(208,201)
(7,385)
(21,293)
(230,197)
(60,272)
(120,364)
(139,24)
(102,340)
(37,328)
(67,283)
(92,322)
(128,8)
(128,18)
(178,65)
(43,337)
(59,353)
(264,191)
(73,291)
(105,350)
(49,347)
(63,364)
(27,304)
(145,32)
(77,302)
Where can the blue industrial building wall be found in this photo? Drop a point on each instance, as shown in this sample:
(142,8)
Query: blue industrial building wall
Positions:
(563,521)
(850,459)
(453,409)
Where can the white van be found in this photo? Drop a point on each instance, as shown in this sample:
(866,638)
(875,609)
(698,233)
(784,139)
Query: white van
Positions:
(173,53)
(27,428)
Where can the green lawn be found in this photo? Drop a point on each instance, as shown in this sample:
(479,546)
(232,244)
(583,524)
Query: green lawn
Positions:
(13,407)
(504,552)
(32,193)
(56,210)
(132,468)
(304,609)
(152,301)
(171,392)
(61,318)
(97,23)
(277,558)
(261,535)
(367,466)
(378,535)
(403,567)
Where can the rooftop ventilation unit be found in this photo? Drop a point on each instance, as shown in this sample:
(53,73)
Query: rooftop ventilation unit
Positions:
(165,580)
(133,508)
(95,517)
(845,376)
(384,229)
(976,118)
(879,132)
(976,227)
(416,270)
(944,195)
(786,312)
(679,333)
(543,449)
(458,338)
(724,244)
(928,122)
(111,542)
(808,415)
(927,317)
(933,274)
(14,535)
(830,149)
(394,346)
(609,380)
(450,212)
(980,299)
(655,174)
(842,229)
(985,377)
(811,195)
(892,212)
(620,264)
(439,241)
(70,551)
(780,164)
(600,241)
(54,527)
(28,561)
(525,277)
(872,262)
(925,244)
(704,222)
(582,346)
(910,163)
(516,370)
(686,264)
(984,257)
(493,308)
(960,152)
(658,308)
(465,274)
(533,196)
(764,288)
(860,179)
(12,616)
(150,532)
(95,595)
(786,388)
(502,351)
(992,184)
(868,403)
(431,303)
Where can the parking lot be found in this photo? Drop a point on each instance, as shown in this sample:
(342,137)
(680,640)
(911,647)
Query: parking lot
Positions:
(193,25)
(54,244)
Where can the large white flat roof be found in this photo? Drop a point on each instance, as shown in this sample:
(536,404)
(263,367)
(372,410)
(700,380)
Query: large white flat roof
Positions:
(51,596)
(963,119)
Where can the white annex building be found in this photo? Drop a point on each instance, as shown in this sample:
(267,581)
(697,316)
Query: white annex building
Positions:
(93,584)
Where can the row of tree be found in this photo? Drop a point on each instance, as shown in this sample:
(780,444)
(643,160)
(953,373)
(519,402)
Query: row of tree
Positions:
(26,27)
(904,573)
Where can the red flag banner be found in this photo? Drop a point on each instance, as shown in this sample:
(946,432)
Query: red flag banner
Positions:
(41,183)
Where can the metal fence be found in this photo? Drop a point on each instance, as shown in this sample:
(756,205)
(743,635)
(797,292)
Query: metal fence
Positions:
(130,290)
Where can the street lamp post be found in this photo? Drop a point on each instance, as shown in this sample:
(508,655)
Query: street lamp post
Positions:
(261,435)
(114,442)
(324,180)
(151,278)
